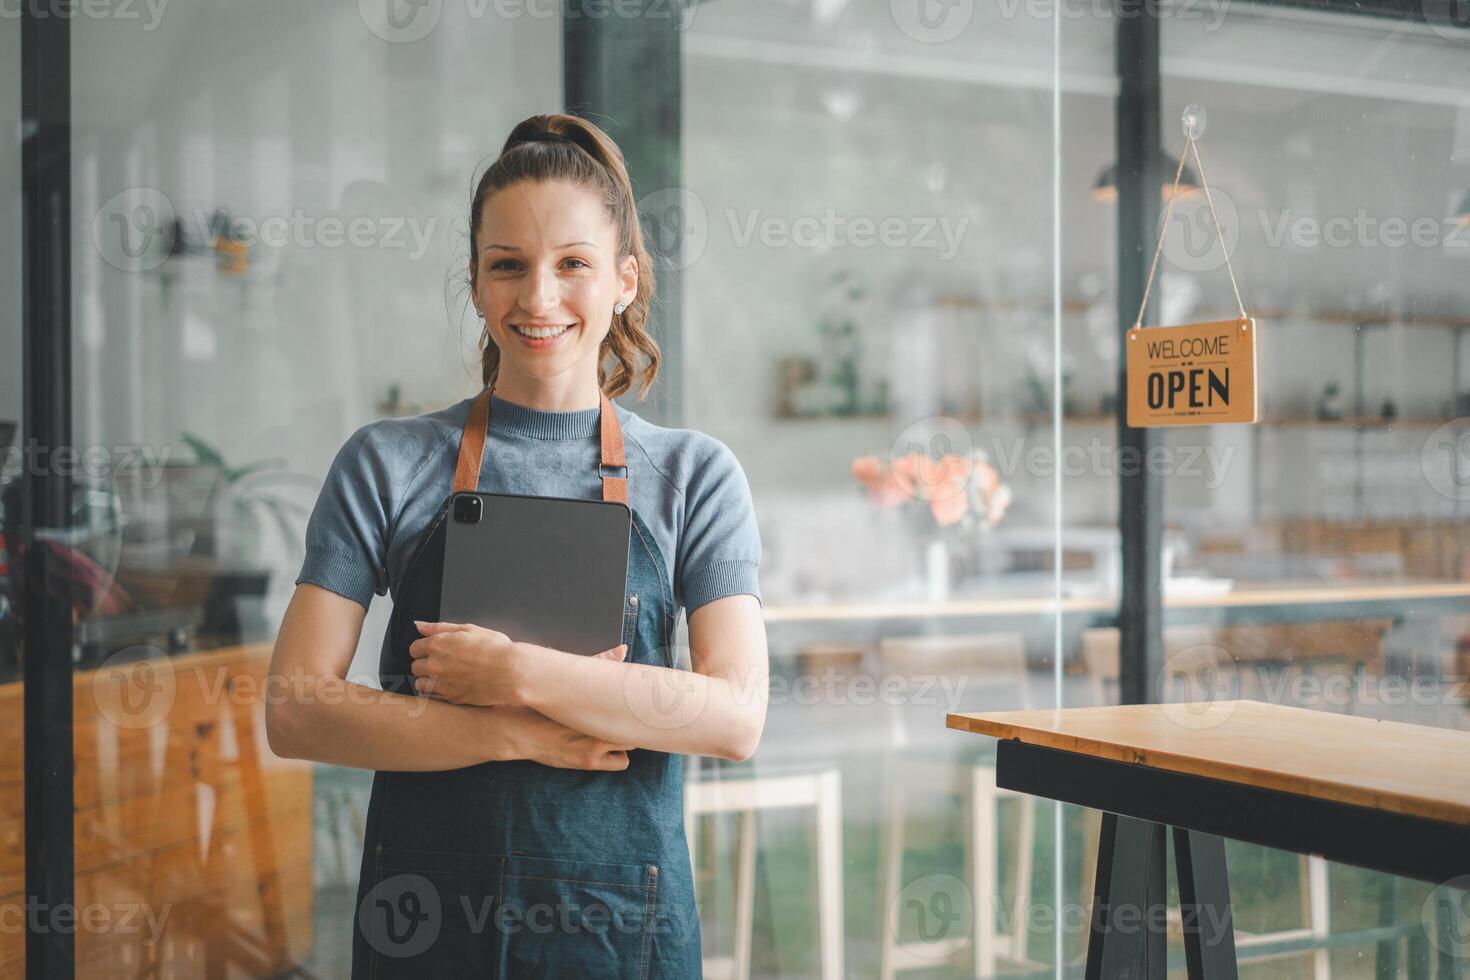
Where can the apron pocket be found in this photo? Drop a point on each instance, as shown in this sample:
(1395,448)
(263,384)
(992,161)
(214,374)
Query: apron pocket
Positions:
(568,918)
(430,913)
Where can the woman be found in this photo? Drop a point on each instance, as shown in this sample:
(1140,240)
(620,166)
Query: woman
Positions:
(527,810)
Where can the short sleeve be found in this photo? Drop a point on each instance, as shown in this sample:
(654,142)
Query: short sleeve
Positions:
(347,533)
(719,549)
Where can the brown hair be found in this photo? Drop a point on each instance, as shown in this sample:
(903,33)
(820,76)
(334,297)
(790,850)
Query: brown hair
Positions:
(596,163)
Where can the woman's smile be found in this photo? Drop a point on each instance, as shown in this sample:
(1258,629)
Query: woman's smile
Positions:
(541,337)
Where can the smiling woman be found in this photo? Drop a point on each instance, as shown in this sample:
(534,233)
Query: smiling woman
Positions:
(554,239)
(508,772)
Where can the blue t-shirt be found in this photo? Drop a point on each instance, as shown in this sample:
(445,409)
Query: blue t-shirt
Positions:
(391,476)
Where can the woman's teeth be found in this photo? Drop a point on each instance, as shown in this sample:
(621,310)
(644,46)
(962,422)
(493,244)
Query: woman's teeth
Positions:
(541,333)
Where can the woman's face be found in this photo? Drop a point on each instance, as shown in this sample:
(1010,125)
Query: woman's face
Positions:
(547,260)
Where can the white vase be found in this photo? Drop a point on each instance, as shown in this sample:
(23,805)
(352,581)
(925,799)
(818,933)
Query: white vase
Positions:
(936,569)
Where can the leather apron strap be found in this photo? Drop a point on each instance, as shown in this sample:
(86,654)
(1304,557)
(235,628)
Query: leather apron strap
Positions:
(472,448)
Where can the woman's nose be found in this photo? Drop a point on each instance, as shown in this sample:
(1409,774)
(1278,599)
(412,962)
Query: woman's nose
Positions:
(540,291)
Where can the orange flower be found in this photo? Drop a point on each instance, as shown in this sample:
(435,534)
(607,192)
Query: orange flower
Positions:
(868,469)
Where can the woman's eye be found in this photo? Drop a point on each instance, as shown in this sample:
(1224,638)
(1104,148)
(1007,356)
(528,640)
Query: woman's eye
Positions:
(510,263)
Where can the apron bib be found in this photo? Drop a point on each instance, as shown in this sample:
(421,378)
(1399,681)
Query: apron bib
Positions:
(515,869)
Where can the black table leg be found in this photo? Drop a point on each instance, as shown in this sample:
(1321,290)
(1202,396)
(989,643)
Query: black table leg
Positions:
(1204,905)
(1129,911)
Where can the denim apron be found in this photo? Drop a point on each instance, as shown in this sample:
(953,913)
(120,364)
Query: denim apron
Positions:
(516,869)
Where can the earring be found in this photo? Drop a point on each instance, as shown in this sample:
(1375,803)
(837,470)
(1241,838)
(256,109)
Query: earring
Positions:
(620,308)
(479,313)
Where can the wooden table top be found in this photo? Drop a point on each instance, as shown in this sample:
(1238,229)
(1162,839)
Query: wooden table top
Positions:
(1285,593)
(1385,765)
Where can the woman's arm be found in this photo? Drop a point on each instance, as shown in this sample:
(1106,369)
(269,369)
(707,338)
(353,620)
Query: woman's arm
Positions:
(313,712)
(717,709)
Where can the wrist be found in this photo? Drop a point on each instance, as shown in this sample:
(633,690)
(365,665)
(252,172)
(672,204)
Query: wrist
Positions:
(522,678)
(497,736)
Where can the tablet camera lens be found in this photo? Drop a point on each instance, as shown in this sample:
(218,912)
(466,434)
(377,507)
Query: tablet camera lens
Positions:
(467,509)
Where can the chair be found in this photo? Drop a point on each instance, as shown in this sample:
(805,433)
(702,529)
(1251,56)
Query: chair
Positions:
(745,796)
(998,661)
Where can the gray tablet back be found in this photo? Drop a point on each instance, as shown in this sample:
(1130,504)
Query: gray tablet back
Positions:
(544,570)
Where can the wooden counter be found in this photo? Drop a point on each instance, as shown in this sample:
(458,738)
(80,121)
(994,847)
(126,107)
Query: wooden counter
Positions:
(1245,594)
(182,812)
(1385,765)
(1379,794)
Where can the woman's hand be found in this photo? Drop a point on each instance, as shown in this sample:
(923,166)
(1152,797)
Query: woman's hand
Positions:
(467,664)
(551,743)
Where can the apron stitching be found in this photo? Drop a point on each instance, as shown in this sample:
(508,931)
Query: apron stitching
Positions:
(377,958)
(650,884)
(503,953)
(658,569)
(578,881)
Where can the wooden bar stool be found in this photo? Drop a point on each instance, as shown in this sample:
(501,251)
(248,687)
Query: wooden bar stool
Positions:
(745,796)
(994,662)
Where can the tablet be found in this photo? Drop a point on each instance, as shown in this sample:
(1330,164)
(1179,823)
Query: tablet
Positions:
(546,570)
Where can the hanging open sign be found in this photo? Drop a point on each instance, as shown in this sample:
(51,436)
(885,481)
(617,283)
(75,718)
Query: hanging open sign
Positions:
(1194,374)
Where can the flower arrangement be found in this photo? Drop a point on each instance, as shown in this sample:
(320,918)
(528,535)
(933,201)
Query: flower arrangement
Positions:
(953,488)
